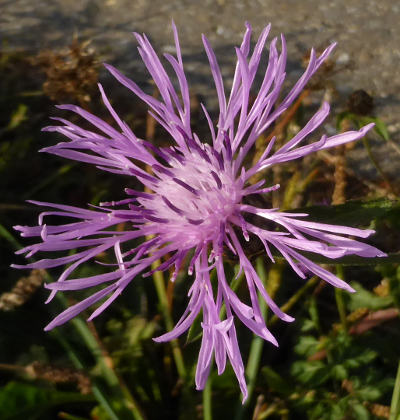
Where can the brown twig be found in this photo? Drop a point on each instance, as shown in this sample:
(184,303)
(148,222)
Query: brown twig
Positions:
(374,319)
(53,374)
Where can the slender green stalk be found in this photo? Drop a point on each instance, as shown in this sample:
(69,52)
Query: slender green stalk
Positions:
(67,416)
(97,392)
(207,400)
(104,403)
(395,404)
(163,300)
(339,299)
(76,361)
(256,347)
(295,298)
(109,374)
(10,238)
(257,343)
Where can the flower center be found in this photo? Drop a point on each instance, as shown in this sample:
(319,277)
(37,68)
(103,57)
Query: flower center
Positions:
(193,198)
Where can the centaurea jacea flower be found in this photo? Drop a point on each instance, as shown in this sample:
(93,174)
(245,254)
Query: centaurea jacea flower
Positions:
(193,204)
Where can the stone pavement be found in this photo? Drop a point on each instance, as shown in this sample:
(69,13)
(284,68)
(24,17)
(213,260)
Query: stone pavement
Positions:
(367,32)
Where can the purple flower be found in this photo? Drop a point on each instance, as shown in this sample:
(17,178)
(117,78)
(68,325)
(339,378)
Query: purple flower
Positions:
(195,205)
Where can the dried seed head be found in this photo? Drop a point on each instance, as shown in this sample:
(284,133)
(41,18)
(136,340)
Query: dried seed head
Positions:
(22,291)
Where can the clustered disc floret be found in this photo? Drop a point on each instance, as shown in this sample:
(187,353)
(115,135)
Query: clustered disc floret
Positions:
(191,204)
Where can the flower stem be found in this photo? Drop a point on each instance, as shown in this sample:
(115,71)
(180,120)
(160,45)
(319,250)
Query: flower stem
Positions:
(67,416)
(295,298)
(257,342)
(395,404)
(339,299)
(158,278)
(110,376)
(207,400)
(256,347)
(9,237)
(97,391)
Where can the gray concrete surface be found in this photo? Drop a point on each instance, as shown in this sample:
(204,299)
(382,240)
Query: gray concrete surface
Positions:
(367,32)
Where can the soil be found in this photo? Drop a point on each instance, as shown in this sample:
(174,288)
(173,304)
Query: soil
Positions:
(367,32)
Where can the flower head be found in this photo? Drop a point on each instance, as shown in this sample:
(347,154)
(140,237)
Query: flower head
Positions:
(193,204)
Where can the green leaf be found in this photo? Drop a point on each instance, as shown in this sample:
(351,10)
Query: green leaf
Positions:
(307,345)
(365,299)
(369,393)
(354,260)
(363,359)
(18,116)
(359,411)
(308,325)
(318,412)
(339,372)
(359,120)
(380,127)
(276,382)
(19,400)
(338,410)
(311,372)
(352,213)
(314,313)
(99,413)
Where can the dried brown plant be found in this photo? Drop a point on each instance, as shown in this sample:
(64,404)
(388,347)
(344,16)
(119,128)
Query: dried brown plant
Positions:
(22,291)
(71,73)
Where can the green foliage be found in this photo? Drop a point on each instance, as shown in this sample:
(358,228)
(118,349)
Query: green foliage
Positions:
(361,120)
(354,213)
(342,383)
(275,382)
(20,400)
(365,299)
